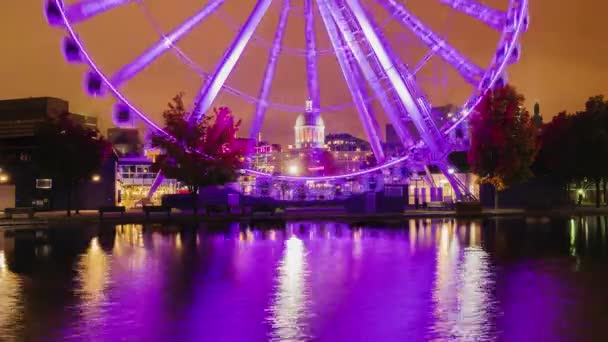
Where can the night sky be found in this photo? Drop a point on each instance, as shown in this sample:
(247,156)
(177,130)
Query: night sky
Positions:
(565,57)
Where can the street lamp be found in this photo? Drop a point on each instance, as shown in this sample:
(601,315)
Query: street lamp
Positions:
(96,178)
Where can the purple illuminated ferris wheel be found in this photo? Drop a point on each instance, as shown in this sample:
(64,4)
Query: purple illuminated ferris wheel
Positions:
(365,37)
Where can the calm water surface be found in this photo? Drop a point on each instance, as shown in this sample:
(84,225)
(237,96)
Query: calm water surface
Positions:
(507,280)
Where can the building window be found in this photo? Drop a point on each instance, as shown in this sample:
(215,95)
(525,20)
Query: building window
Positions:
(44,183)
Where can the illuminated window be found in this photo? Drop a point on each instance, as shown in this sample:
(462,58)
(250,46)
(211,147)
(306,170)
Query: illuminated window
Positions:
(44,183)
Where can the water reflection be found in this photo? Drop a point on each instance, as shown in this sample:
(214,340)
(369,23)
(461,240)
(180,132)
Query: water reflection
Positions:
(289,309)
(11,304)
(421,280)
(92,279)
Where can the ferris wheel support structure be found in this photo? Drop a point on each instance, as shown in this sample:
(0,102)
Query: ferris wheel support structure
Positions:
(312,69)
(363,53)
(370,67)
(352,77)
(212,87)
(271,67)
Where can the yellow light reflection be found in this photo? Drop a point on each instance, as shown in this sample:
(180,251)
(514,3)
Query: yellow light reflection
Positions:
(475,295)
(444,294)
(92,279)
(357,247)
(412,232)
(11,303)
(290,307)
(93,269)
(572,238)
(178,241)
(462,294)
(475,233)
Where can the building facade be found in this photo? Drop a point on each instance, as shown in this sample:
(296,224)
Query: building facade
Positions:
(344,142)
(19,121)
(134,177)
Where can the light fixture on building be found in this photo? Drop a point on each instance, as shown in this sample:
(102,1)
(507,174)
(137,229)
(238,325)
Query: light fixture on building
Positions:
(293,169)
(451,171)
(3,178)
(96,178)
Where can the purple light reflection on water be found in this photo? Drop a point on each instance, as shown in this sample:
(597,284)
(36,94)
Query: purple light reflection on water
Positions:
(431,280)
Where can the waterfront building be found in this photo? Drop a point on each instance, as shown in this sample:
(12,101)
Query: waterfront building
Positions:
(19,120)
(134,177)
(267,157)
(344,142)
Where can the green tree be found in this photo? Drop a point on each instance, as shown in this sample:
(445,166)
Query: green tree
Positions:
(503,140)
(200,155)
(69,153)
(590,131)
(557,151)
(574,146)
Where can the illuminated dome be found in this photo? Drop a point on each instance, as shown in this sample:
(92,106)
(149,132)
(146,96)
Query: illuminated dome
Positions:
(309,119)
(310,129)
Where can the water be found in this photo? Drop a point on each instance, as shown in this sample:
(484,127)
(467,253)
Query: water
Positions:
(429,280)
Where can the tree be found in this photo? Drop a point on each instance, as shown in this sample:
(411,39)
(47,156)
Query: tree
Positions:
(573,146)
(503,140)
(199,155)
(557,149)
(70,153)
(590,135)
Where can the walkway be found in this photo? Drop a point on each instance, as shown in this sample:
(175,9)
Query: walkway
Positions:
(136,216)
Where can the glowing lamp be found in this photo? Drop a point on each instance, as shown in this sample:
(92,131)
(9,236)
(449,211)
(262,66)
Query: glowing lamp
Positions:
(96,178)
(293,169)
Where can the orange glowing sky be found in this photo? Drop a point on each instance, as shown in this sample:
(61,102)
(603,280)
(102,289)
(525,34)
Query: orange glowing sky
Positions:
(565,57)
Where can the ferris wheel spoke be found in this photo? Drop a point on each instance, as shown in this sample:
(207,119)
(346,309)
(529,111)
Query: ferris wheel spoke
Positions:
(212,87)
(354,81)
(492,17)
(406,89)
(83,10)
(370,68)
(467,69)
(275,50)
(311,55)
(141,62)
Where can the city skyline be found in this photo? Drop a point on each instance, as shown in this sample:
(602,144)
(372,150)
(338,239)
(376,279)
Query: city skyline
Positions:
(551,71)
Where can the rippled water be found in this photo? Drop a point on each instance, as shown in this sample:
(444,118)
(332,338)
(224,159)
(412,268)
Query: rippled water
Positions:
(509,280)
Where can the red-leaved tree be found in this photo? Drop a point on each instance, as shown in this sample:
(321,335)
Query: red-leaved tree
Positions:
(503,139)
(199,155)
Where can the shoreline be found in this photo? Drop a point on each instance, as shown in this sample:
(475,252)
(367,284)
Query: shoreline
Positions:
(137,217)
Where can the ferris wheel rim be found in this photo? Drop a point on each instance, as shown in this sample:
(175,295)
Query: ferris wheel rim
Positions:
(247,97)
(497,74)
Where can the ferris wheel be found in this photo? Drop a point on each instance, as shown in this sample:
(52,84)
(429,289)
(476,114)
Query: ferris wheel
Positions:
(364,37)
